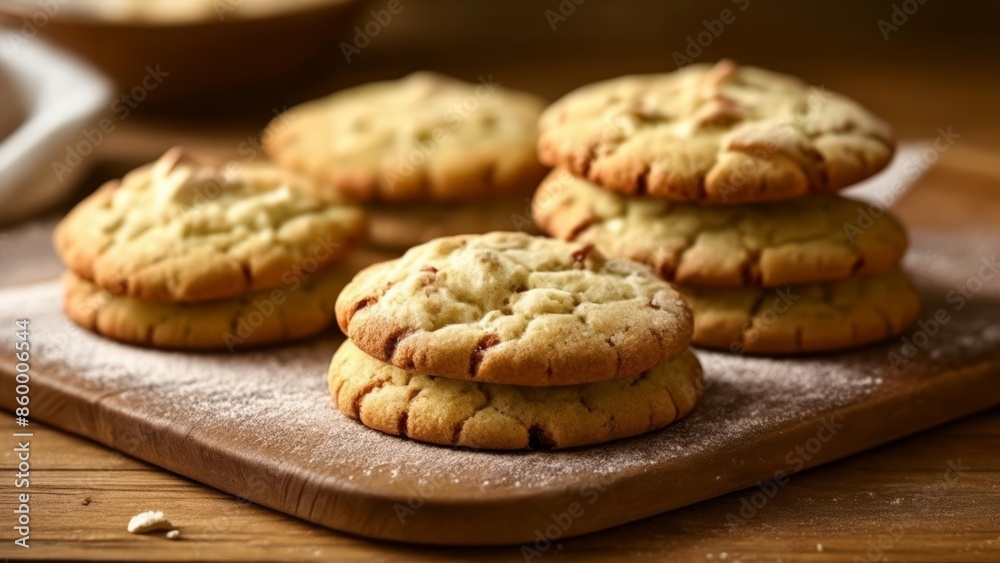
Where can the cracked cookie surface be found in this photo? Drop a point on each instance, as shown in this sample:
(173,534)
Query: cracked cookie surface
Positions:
(804,318)
(424,137)
(494,416)
(513,308)
(302,308)
(720,134)
(180,231)
(771,244)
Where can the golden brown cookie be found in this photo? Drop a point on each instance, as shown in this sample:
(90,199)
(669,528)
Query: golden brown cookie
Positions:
(516,309)
(424,137)
(178,230)
(773,244)
(804,318)
(302,308)
(719,134)
(510,417)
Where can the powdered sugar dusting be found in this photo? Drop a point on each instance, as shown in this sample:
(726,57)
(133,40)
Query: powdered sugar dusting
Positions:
(275,400)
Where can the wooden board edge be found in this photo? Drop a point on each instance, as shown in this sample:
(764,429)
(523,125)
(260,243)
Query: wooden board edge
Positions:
(526,519)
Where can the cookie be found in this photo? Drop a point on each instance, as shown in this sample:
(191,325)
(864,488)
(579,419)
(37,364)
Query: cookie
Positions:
(720,134)
(510,417)
(399,227)
(181,231)
(804,318)
(302,308)
(769,244)
(516,309)
(424,137)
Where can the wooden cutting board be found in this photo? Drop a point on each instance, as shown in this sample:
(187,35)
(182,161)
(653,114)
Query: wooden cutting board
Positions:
(261,425)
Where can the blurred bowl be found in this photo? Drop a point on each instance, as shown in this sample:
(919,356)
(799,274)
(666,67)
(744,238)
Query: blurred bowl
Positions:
(215,59)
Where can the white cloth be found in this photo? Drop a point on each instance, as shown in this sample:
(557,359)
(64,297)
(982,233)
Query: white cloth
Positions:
(49,99)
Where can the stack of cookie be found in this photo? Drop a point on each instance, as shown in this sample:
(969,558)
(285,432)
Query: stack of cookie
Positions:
(427,155)
(721,178)
(184,255)
(509,341)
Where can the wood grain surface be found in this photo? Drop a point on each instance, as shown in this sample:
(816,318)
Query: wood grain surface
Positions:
(848,508)
(260,425)
(875,506)
(835,513)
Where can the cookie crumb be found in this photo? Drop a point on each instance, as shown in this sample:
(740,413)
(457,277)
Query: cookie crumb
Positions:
(85,501)
(145,522)
(174,535)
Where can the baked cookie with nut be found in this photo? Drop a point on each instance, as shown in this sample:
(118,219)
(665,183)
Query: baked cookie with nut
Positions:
(718,133)
(767,244)
(187,255)
(180,230)
(456,412)
(514,309)
(423,146)
(804,318)
(300,309)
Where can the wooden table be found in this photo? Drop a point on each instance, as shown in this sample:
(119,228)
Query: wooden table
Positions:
(86,494)
(891,503)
